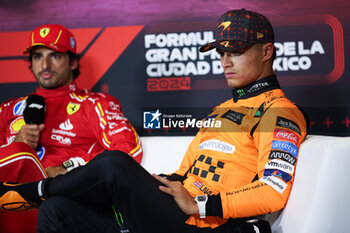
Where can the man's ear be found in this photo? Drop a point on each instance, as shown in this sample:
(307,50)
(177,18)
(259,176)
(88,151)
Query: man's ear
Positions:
(268,50)
(74,64)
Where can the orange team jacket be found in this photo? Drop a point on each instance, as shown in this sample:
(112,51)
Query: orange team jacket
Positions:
(246,166)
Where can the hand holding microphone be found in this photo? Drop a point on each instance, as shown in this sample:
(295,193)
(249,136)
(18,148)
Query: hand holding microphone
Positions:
(33,114)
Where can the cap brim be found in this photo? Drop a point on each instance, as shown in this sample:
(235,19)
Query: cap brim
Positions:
(227,45)
(54,47)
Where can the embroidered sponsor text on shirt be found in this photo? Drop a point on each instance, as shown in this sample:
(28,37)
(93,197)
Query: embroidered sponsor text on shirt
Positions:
(217,145)
(283,122)
(276,154)
(245,189)
(258,86)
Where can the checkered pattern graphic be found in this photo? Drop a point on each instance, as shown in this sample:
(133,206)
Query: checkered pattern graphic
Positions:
(210,168)
(240,29)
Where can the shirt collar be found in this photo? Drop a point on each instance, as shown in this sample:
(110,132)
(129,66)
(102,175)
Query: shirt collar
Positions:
(256,88)
(46,93)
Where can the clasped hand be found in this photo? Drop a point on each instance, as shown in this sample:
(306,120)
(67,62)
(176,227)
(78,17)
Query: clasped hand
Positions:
(182,197)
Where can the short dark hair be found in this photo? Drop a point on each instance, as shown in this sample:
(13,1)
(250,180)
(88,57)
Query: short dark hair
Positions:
(72,57)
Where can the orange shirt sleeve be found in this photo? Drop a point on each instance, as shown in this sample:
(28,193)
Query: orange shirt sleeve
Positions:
(277,138)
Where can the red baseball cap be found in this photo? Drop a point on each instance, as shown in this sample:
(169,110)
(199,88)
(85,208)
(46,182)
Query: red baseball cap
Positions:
(240,29)
(53,36)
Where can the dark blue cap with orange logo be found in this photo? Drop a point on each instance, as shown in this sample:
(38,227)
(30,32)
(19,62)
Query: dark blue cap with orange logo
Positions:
(53,36)
(240,29)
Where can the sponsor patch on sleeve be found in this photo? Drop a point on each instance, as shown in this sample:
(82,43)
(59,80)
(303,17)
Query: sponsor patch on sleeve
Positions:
(277,154)
(280,165)
(286,135)
(275,183)
(285,146)
(278,173)
(285,123)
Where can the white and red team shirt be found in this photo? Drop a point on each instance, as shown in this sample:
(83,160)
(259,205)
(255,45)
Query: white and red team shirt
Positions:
(78,123)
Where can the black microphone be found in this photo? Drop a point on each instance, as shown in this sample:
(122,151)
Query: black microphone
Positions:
(34,112)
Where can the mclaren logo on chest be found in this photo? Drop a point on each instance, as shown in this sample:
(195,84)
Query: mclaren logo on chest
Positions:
(72,108)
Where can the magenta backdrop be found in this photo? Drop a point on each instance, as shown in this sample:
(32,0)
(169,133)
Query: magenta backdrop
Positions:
(19,15)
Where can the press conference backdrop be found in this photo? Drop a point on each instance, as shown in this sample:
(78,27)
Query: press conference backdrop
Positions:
(146,54)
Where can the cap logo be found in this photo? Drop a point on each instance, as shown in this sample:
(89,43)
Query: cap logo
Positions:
(225,43)
(72,42)
(259,35)
(44,32)
(225,24)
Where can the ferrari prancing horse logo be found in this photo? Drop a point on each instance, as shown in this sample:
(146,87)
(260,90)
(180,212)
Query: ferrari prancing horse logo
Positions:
(44,32)
(72,108)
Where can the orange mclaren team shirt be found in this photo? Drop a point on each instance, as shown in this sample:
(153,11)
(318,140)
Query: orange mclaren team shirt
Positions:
(246,163)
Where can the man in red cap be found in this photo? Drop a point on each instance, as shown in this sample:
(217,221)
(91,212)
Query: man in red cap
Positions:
(229,174)
(78,124)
